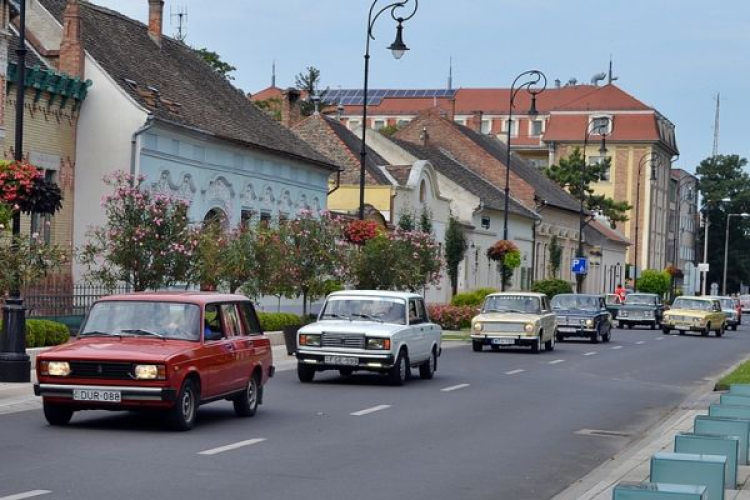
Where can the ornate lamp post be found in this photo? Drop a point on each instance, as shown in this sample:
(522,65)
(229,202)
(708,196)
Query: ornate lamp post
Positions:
(398,48)
(600,128)
(726,251)
(655,161)
(15,365)
(535,82)
(706,223)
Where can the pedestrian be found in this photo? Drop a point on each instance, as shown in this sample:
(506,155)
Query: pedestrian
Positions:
(620,292)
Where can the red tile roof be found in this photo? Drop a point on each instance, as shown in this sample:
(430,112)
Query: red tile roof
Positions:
(626,127)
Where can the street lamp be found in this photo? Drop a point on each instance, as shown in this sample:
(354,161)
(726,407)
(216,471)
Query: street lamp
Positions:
(598,126)
(398,48)
(15,365)
(726,251)
(535,83)
(706,223)
(655,161)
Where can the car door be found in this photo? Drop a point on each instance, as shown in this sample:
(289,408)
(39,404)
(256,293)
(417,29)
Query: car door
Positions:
(415,336)
(548,318)
(604,316)
(219,359)
(242,352)
(255,346)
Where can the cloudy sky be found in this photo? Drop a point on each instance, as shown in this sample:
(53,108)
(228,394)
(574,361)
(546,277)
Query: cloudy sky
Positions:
(674,55)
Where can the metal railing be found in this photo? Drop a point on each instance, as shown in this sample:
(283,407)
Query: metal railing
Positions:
(65,300)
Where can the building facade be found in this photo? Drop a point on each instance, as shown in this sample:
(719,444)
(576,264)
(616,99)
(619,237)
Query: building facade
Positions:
(684,224)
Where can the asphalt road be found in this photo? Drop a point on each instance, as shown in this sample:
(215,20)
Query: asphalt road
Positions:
(491,425)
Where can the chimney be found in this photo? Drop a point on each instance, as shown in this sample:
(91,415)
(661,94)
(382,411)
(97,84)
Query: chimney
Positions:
(72,59)
(155,15)
(291,112)
(452,112)
(475,122)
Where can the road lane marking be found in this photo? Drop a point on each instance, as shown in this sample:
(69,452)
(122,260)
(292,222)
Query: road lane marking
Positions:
(369,410)
(617,347)
(26,494)
(454,387)
(659,338)
(590,353)
(640,342)
(513,372)
(220,449)
(556,361)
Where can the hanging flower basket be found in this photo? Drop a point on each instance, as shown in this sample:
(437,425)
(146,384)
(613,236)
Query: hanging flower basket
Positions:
(674,271)
(24,188)
(502,250)
(359,232)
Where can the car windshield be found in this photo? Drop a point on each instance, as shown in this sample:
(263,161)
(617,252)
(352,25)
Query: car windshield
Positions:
(612,299)
(693,304)
(728,304)
(581,302)
(640,300)
(171,320)
(381,309)
(512,303)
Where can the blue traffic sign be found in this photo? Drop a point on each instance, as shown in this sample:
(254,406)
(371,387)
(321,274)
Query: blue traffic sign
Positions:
(580,265)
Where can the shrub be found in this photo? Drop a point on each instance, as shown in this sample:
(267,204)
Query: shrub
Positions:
(41,333)
(552,287)
(472,298)
(275,321)
(652,281)
(451,317)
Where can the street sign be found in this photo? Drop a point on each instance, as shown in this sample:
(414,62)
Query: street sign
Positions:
(703,267)
(580,265)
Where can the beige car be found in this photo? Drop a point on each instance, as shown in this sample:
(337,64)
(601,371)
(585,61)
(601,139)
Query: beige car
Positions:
(514,319)
(697,314)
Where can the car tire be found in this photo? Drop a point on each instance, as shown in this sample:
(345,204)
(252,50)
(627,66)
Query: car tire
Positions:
(536,347)
(559,337)
(594,339)
(550,344)
(346,372)
(57,414)
(476,345)
(427,369)
(666,330)
(734,328)
(398,374)
(720,331)
(607,336)
(653,326)
(706,331)
(182,414)
(305,373)
(246,404)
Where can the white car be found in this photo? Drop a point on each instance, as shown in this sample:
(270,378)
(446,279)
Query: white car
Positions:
(376,331)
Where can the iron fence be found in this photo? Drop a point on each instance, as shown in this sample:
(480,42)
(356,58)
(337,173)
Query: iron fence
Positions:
(65,300)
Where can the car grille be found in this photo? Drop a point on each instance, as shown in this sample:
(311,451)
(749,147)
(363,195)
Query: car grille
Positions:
(681,319)
(504,327)
(570,320)
(87,369)
(354,341)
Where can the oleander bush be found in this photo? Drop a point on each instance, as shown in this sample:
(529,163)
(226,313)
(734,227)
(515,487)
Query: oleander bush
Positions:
(552,287)
(275,321)
(452,317)
(472,298)
(43,333)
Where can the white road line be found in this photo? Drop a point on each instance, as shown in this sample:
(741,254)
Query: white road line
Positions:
(454,387)
(617,347)
(220,449)
(556,361)
(513,372)
(26,494)
(640,342)
(659,338)
(590,353)
(370,410)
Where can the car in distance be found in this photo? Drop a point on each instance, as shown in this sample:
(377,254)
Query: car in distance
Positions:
(580,315)
(614,303)
(376,331)
(729,308)
(514,319)
(745,303)
(159,351)
(697,314)
(641,309)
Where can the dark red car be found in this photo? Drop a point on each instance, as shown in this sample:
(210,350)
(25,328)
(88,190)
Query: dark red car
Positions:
(170,351)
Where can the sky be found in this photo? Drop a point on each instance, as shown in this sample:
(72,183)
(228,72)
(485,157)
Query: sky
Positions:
(674,55)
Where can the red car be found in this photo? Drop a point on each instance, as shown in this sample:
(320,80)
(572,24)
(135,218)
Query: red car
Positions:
(159,351)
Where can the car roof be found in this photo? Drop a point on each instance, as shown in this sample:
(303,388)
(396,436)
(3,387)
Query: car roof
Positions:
(376,293)
(187,296)
(524,294)
(581,295)
(696,297)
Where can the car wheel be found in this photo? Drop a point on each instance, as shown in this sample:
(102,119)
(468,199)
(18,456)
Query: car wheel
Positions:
(399,372)
(720,331)
(550,344)
(594,337)
(607,336)
(706,331)
(427,369)
(560,337)
(476,345)
(305,373)
(653,326)
(536,347)
(666,330)
(246,404)
(182,415)
(346,372)
(734,328)
(57,414)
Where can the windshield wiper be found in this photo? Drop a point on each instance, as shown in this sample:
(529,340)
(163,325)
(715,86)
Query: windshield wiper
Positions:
(367,316)
(141,331)
(97,332)
(504,311)
(337,316)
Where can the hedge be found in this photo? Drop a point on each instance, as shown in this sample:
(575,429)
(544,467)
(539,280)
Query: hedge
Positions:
(552,287)
(472,298)
(43,333)
(274,321)
(451,317)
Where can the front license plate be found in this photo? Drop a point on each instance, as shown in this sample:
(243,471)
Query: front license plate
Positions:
(503,342)
(97,395)
(682,327)
(566,329)
(341,360)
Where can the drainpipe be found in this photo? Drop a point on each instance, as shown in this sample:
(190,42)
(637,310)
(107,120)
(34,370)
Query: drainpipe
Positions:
(338,183)
(134,163)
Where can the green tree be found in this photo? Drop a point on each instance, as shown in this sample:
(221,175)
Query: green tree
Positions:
(653,281)
(455,250)
(555,256)
(389,130)
(425,220)
(551,287)
(568,175)
(724,177)
(271,106)
(406,221)
(215,61)
(309,81)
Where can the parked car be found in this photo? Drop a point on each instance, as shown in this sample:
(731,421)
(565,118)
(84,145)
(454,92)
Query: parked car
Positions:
(376,331)
(614,303)
(697,314)
(159,351)
(579,315)
(641,309)
(745,303)
(514,318)
(729,308)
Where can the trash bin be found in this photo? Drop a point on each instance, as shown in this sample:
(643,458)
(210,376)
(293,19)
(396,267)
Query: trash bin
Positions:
(290,338)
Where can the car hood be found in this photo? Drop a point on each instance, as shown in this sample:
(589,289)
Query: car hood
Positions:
(345,326)
(686,312)
(126,348)
(495,317)
(639,307)
(563,313)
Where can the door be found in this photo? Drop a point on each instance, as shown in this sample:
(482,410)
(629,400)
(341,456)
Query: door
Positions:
(237,373)
(548,319)
(219,359)
(254,347)
(416,334)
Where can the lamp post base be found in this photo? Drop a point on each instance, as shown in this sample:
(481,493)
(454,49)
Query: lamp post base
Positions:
(15,365)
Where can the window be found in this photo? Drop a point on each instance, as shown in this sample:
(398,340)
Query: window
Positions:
(402,123)
(283,217)
(513,127)
(355,125)
(416,312)
(606,172)
(265,217)
(247,218)
(250,319)
(486,127)
(485,222)
(41,224)
(600,125)
(231,320)
(212,329)
(537,127)
(378,124)
(422,191)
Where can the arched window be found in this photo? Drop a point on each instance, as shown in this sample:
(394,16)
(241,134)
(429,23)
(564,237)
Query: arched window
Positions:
(216,216)
(422,191)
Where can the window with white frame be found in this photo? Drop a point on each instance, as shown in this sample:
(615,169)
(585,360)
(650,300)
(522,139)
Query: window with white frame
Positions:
(606,172)
(600,125)
(402,123)
(355,125)
(512,124)
(378,124)
(485,222)
(537,128)
(486,126)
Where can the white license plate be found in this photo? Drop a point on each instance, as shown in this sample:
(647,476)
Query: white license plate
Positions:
(682,327)
(97,395)
(566,329)
(341,360)
(503,342)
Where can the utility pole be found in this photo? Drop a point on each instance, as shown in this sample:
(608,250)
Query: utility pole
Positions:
(715,150)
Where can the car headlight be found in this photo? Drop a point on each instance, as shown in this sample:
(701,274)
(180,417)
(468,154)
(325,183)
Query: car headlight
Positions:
(149,372)
(698,321)
(622,313)
(529,327)
(589,322)
(55,368)
(376,343)
(309,340)
(478,327)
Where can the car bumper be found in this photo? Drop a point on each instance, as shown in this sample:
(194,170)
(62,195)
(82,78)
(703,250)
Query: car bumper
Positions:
(683,328)
(572,331)
(505,340)
(365,361)
(638,321)
(131,396)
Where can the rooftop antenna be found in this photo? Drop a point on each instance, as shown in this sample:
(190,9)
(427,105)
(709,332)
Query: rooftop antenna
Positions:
(182,16)
(715,151)
(450,74)
(610,77)
(273,73)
